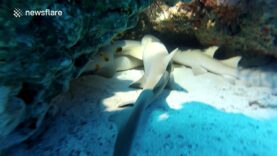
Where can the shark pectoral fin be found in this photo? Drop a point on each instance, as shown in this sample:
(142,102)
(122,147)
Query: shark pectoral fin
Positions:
(232,62)
(211,51)
(126,105)
(120,118)
(129,103)
(198,70)
(138,84)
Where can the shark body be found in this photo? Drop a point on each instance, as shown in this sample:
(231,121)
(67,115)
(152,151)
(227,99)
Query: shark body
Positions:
(120,55)
(128,54)
(133,48)
(157,67)
(107,63)
(202,62)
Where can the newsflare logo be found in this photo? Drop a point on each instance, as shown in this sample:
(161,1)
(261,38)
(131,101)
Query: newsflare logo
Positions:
(46,12)
(17,13)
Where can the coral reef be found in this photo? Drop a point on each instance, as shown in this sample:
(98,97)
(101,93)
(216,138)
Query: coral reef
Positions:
(243,26)
(39,56)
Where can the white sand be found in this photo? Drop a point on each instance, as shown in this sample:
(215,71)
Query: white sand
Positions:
(208,88)
(228,127)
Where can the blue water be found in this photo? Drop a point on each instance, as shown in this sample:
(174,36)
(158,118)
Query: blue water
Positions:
(198,129)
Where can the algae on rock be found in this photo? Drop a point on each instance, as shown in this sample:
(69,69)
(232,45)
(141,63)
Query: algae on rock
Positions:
(238,25)
(39,56)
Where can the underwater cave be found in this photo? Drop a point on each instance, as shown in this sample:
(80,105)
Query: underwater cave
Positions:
(138,78)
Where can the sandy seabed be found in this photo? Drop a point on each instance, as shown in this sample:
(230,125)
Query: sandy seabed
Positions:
(215,117)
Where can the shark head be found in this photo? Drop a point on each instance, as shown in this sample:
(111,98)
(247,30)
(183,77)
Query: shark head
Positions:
(129,48)
(121,55)
(102,63)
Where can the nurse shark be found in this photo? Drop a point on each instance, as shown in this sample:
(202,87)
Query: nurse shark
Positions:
(157,69)
(128,54)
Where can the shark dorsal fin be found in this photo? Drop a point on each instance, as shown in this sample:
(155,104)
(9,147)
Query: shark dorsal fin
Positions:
(171,55)
(232,62)
(211,51)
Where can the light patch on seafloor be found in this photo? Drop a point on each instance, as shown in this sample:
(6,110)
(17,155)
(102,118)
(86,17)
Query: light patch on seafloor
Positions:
(120,98)
(207,88)
(163,116)
(176,102)
(192,119)
(219,93)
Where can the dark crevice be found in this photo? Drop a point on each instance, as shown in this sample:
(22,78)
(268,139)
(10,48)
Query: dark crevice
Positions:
(81,61)
(28,92)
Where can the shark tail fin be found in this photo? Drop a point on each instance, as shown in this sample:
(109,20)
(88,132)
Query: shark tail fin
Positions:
(211,51)
(232,62)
